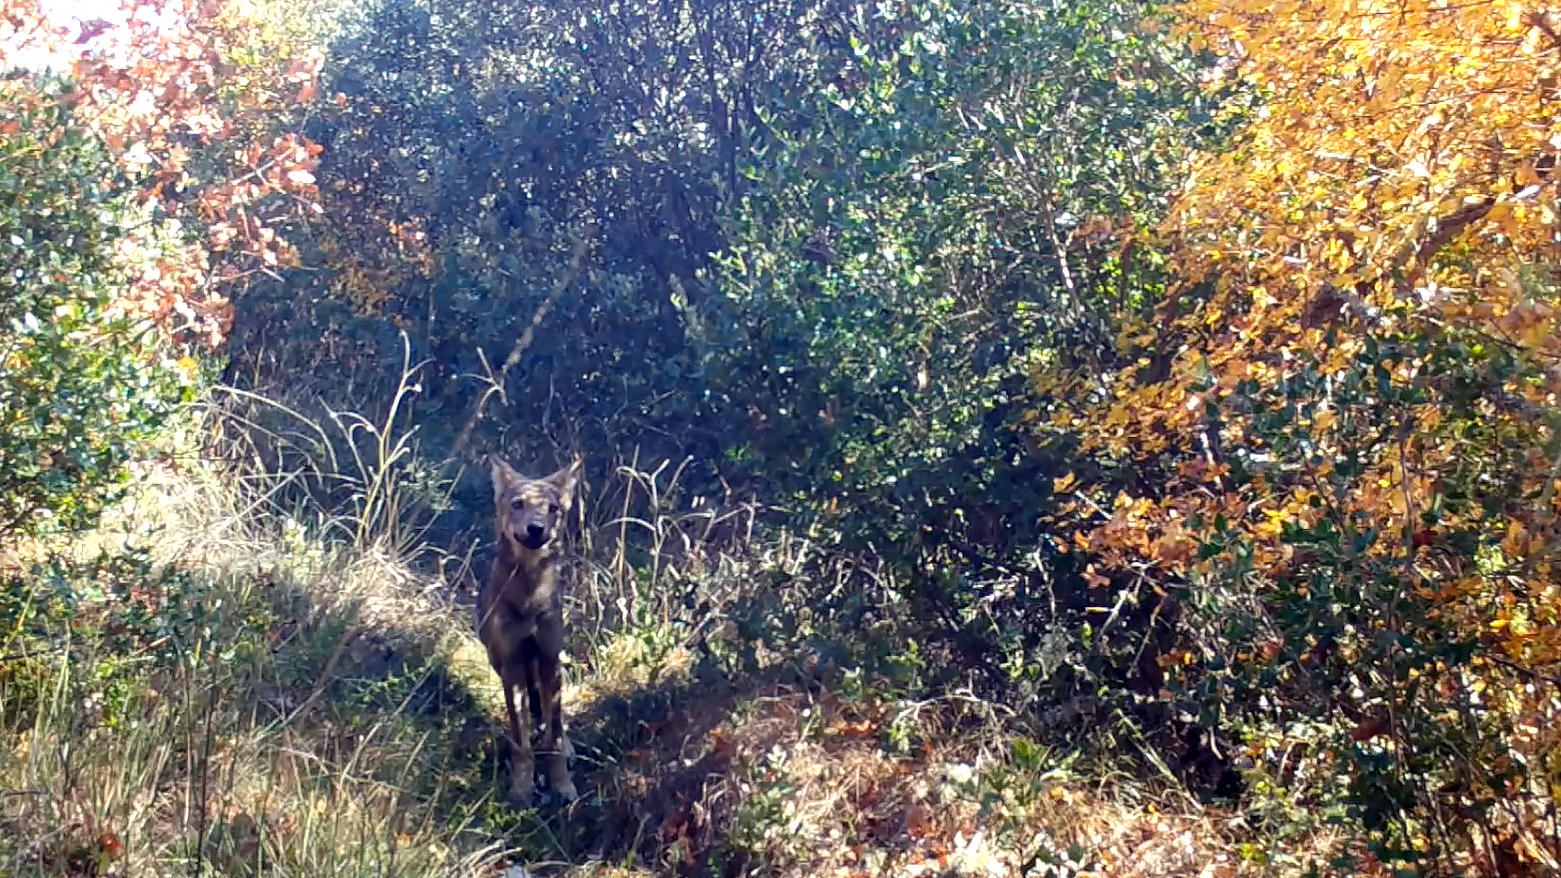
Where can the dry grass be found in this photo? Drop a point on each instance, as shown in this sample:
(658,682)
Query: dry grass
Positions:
(226,745)
(806,781)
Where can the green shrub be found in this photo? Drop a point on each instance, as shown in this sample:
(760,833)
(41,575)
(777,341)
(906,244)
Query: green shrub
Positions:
(939,220)
(81,388)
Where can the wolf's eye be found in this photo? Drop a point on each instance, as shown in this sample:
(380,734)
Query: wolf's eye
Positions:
(552,508)
(517,503)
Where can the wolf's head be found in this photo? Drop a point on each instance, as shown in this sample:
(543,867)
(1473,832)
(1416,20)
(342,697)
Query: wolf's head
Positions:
(530,512)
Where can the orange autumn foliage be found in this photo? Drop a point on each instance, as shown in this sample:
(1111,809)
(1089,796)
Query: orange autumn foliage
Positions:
(203,136)
(1364,367)
(1396,180)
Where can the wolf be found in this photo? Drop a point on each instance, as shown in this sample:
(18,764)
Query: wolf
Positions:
(520,618)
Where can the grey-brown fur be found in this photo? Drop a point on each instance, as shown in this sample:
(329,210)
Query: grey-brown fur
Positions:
(520,618)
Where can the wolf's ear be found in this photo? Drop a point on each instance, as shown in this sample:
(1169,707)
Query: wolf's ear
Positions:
(501,473)
(566,479)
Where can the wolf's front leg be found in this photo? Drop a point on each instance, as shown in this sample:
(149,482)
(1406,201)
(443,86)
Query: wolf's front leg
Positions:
(522,763)
(556,750)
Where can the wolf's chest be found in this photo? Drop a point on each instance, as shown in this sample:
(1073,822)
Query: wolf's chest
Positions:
(516,604)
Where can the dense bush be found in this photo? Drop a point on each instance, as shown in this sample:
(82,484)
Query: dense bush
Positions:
(943,216)
(510,164)
(82,385)
(816,247)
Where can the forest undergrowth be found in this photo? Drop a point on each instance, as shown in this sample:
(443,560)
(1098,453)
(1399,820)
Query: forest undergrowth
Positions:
(211,683)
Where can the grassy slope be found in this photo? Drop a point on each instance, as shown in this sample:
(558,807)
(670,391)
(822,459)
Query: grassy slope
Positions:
(250,699)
